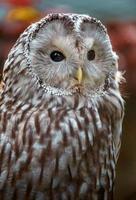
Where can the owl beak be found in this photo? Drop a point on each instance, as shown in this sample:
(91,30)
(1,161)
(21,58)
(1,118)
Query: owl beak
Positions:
(79,75)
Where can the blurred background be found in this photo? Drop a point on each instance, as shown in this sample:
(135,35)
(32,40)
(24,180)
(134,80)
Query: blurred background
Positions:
(119,16)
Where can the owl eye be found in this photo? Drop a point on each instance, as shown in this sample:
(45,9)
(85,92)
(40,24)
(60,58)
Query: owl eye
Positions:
(91,55)
(57,56)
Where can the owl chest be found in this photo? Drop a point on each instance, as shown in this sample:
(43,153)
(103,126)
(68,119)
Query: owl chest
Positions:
(58,150)
(61,130)
(64,134)
(68,139)
(74,148)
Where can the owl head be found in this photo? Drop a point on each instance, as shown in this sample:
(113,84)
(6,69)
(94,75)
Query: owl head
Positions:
(69,54)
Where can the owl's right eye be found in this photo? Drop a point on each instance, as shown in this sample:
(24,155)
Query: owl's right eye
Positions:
(57,56)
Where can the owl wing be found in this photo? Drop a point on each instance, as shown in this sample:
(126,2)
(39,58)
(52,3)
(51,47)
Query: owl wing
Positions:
(117,133)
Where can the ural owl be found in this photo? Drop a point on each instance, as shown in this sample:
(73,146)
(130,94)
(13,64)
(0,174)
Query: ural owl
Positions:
(60,112)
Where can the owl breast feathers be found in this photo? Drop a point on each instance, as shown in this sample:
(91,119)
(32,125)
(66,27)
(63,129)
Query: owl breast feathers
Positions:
(60,112)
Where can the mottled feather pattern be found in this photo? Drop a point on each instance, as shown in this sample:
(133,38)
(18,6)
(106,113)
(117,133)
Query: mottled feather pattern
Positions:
(55,146)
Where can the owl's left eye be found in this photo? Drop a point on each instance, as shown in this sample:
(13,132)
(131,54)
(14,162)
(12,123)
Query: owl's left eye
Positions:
(57,56)
(91,55)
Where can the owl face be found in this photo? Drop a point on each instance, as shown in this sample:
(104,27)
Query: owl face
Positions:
(72,54)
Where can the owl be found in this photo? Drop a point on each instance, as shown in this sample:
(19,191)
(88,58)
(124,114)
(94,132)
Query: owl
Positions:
(61,112)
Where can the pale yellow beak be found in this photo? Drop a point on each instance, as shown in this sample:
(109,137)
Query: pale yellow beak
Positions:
(79,75)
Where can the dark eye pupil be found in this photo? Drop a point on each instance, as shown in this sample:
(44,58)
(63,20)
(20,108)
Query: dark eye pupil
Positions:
(91,55)
(57,56)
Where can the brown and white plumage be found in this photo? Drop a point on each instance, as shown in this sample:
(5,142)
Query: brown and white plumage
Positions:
(60,121)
